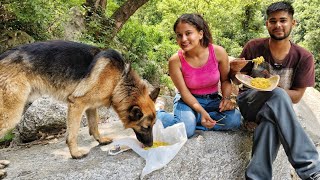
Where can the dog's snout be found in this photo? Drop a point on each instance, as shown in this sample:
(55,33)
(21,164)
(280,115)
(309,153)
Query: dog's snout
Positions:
(145,138)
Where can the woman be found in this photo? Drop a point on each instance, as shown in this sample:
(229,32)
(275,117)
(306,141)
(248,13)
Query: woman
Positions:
(196,71)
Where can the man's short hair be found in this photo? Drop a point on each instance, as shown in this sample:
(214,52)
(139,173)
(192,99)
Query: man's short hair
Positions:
(280,6)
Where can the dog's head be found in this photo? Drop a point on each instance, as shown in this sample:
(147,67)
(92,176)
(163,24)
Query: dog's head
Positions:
(135,106)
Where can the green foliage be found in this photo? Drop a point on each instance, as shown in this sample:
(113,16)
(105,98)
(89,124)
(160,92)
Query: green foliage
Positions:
(149,46)
(147,39)
(8,137)
(307,32)
(146,48)
(40,19)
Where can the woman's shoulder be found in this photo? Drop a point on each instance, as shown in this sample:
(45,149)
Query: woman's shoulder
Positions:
(174,61)
(218,49)
(220,52)
(174,57)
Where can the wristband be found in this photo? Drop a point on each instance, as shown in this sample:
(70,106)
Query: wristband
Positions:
(227,98)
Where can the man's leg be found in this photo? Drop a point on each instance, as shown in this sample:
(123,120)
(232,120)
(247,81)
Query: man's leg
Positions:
(299,148)
(264,151)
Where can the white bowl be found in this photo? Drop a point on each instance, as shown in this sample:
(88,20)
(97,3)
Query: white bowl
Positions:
(246,80)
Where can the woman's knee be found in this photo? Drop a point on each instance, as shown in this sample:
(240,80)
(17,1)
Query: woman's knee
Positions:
(233,120)
(190,123)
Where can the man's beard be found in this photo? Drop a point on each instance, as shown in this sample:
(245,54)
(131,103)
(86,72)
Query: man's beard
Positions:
(282,37)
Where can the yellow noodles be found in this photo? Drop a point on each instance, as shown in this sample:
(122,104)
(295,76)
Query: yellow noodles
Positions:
(258,60)
(261,83)
(157,144)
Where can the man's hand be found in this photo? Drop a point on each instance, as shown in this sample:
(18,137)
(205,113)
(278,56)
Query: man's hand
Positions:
(237,64)
(235,67)
(227,104)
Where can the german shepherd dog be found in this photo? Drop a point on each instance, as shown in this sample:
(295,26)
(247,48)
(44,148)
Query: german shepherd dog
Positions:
(84,77)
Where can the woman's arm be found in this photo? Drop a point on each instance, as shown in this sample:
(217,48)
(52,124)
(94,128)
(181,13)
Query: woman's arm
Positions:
(226,86)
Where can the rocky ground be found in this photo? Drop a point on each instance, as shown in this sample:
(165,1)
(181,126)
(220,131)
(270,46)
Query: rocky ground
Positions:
(208,155)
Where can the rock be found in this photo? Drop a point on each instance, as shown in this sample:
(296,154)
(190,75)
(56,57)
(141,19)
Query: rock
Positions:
(43,115)
(48,116)
(75,25)
(208,155)
(9,39)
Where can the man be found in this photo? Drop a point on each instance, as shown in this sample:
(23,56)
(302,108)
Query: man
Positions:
(272,111)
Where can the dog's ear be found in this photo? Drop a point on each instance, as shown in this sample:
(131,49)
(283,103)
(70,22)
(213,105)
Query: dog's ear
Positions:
(135,113)
(154,94)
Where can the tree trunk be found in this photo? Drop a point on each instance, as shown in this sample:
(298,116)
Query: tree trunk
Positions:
(109,26)
(96,6)
(123,13)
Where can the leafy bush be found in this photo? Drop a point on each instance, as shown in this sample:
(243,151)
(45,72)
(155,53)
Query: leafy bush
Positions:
(7,138)
(41,19)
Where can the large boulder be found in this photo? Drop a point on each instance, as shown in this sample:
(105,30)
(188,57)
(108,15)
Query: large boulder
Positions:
(207,155)
(46,116)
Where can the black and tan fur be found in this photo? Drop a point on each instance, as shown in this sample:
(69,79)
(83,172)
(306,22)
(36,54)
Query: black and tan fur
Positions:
(82,76)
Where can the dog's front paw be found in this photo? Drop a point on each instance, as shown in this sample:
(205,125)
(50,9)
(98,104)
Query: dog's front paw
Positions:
(104,141)
(81,153)
(3,173)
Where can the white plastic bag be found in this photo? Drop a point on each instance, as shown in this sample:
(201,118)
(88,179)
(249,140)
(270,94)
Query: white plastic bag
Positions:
(157,158)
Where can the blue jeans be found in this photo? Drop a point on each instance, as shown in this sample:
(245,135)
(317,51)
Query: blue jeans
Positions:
(226,120)
(278,124)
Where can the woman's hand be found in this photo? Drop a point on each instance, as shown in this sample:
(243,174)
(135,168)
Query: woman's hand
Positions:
(206,121)
(227,104)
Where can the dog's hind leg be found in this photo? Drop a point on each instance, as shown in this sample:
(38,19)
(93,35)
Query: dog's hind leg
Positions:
(75,111)
(93,120)
(13,98)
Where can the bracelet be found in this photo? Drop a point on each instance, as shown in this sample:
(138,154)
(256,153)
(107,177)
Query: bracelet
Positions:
(227,98)
(232,98)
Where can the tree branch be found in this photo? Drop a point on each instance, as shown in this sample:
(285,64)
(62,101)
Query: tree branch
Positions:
(123,13)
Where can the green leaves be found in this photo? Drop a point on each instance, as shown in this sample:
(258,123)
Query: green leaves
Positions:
(147,39)
(307,32)
(39,18)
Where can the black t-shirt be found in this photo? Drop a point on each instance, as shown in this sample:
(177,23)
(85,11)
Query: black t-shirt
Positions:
(296,70)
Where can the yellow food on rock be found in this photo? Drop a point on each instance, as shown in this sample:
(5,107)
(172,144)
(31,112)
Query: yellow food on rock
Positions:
(157,144)
(258,60)
(261,83)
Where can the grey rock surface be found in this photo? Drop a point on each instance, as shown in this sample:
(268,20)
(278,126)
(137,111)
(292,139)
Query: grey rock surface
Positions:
(48,116)
(208,155)
(43,115)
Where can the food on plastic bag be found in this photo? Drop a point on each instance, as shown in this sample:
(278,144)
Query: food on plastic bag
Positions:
(157,144)
(157,157)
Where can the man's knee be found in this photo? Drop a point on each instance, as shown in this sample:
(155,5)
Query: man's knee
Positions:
(280,93)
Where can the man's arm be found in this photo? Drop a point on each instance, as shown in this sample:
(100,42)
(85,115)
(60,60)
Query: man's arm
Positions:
(296,94)
(235,67)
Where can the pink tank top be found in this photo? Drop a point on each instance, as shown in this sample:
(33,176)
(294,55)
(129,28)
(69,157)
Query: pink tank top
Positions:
(201,80)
